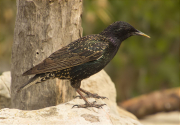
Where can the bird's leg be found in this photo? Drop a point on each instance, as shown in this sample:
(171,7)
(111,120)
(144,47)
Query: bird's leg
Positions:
(87,103)
(90,95)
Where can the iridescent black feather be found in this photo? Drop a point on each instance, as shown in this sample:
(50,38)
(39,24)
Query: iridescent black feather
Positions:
(83,57)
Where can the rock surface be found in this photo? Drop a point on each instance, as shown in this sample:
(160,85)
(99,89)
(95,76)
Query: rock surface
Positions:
(99,83)
(5,82)
(64,114)
(162,118)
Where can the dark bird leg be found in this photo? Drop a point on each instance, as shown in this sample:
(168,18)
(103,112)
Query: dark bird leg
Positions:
(87,103)
(91,95)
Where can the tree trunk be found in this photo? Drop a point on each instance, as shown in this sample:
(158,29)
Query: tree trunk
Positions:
(41,28)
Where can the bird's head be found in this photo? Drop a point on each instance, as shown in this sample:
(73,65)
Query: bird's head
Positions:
(121,30)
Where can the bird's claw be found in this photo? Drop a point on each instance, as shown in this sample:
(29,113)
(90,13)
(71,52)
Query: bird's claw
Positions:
(89,105)
(77,97)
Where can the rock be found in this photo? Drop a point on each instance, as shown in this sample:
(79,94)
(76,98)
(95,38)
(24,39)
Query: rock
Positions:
(99,83)
(5,82)
(162,118)
(64,114)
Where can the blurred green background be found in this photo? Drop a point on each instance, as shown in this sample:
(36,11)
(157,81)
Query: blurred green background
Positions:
(141,65)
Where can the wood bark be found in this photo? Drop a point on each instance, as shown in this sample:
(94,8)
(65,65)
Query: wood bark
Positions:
(158,101)
(41,28)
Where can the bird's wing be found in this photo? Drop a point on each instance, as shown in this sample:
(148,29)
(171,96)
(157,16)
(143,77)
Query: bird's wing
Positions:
(76,53)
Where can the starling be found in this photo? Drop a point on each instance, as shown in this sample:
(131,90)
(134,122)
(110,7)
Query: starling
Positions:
(83,58)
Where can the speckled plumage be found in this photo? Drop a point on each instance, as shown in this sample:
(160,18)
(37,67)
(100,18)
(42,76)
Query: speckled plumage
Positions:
(82,58)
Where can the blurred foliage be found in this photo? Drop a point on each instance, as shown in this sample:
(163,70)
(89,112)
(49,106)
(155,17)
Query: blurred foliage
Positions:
(7,21)
(141,64)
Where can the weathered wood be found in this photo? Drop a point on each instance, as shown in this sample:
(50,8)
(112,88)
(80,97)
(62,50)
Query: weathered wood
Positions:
(41,28)
(158,101)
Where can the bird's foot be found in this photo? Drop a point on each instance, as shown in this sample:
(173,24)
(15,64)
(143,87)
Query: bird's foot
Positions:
(90,95)
(89,105)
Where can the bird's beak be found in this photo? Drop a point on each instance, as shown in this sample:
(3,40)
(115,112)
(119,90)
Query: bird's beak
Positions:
(142,34)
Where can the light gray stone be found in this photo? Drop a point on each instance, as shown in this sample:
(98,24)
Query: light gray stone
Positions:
(162,118)
(5,82)
(64,114)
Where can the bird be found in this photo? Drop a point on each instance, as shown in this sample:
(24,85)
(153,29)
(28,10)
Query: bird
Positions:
(82,58)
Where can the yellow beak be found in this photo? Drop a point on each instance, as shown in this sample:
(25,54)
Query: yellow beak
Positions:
(142,34)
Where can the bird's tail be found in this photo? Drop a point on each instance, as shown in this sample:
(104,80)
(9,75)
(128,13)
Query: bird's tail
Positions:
(37,78)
